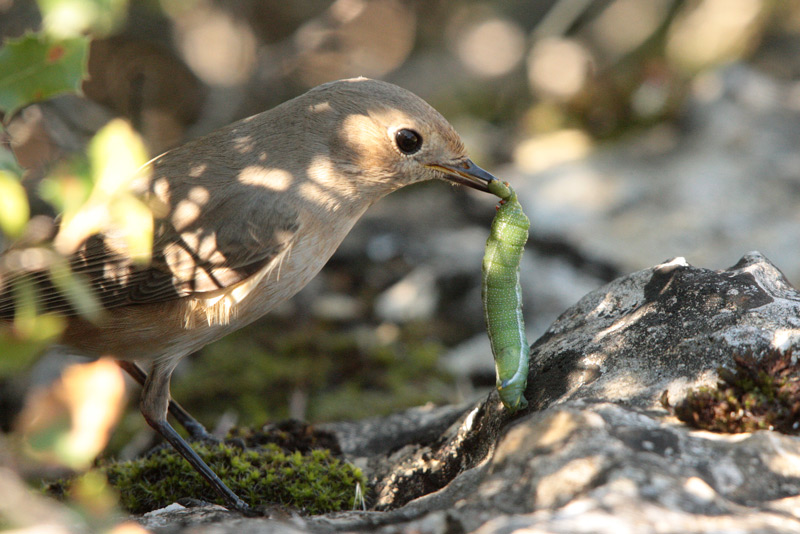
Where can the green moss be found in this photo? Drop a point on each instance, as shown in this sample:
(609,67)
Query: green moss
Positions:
(314,482)
(761,392)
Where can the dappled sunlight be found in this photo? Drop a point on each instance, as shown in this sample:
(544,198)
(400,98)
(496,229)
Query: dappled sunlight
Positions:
(625,25)
(490,47)
(558,487)
(277,180)
(354,38)
(245,143)
(699,488)
(312,192)
(712,31)
(69,422)
(559,67)
(185,214)
(161,189)
(359,130)
(199,195)
(321,107)
(219,49)
(188,210)
(626,320)
(788,461)
(320,169)
(544,151)
(197,170)
(785,338)
(622,385)
(559,426)
(116,156)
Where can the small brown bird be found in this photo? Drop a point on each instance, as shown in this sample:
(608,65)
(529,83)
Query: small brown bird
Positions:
(245,217)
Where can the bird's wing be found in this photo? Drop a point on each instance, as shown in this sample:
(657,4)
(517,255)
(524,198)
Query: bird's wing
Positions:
(221,248)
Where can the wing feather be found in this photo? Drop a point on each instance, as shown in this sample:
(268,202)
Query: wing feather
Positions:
(217,250)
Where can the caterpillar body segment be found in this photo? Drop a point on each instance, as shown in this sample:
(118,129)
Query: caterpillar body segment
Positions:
(502,296)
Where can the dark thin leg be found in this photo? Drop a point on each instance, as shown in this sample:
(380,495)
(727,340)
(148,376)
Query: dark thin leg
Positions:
(194,427)
(165,429)
(154,405)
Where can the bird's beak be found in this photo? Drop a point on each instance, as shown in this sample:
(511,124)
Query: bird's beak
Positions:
(466,173)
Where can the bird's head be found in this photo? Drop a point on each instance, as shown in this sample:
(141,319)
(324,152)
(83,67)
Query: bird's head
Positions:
(388,137)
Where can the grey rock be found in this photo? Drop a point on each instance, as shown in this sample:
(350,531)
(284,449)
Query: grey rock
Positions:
(596,451)
(664,328)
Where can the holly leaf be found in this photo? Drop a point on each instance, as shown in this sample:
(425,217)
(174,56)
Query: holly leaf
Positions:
(34,68)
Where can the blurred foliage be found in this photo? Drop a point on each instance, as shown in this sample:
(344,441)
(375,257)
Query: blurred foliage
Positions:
(14,210)
(30,334)
(93,194)
(35,67)
(70,18)
(66,424)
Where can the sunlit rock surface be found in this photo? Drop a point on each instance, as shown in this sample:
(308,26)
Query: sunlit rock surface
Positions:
(596,451)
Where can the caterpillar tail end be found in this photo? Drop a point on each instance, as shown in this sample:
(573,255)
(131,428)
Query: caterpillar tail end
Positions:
(512,396)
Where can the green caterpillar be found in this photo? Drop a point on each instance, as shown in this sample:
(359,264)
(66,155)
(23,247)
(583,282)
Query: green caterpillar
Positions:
(502,296)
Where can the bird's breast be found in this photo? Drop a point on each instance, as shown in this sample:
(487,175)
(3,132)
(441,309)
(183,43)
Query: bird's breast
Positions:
(280,279)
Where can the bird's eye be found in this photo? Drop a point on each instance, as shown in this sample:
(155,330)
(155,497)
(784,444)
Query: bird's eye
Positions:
(408,141)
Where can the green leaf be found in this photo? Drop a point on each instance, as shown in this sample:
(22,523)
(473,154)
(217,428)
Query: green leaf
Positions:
(14,211)
(76,290)
(34,68)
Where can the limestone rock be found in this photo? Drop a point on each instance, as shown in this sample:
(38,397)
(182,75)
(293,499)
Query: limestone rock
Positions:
(596,451)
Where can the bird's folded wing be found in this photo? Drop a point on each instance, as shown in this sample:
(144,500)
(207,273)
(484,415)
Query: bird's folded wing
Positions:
(219,249)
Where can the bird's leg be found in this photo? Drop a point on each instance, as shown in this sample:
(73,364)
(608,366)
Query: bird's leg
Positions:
(154,406)
(194,427)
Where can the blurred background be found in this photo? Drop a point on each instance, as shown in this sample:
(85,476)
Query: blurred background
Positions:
(633,131)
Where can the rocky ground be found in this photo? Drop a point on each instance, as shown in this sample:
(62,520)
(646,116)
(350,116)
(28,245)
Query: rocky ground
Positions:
(597,451)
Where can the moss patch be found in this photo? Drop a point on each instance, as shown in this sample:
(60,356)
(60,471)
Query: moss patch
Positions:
(315,482)
(761,392)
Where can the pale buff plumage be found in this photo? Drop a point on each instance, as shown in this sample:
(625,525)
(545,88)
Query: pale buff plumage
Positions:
(247,215)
